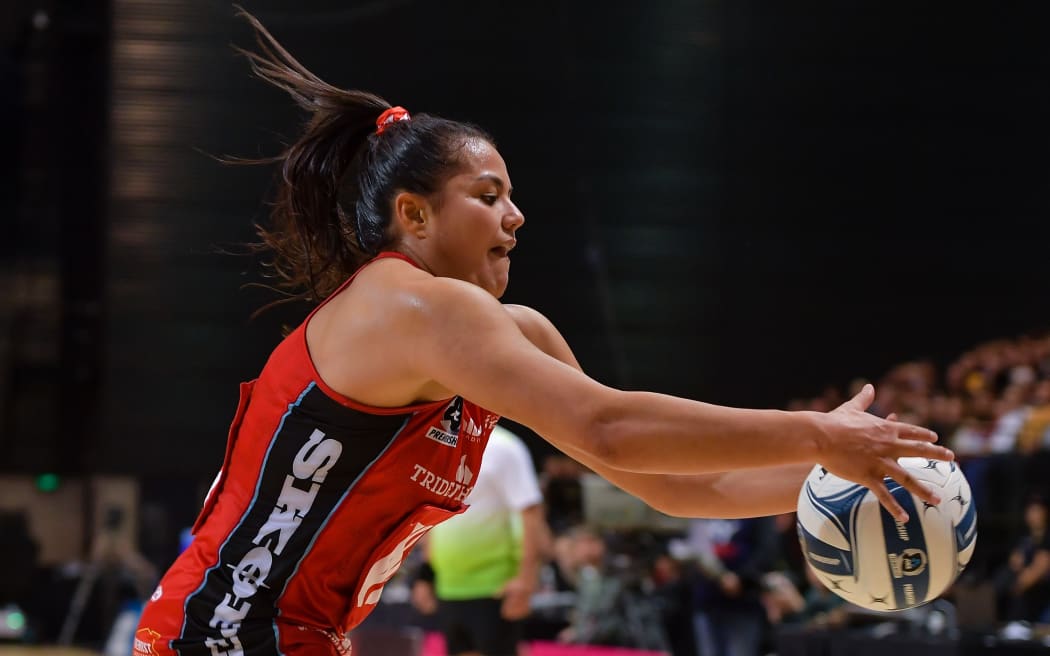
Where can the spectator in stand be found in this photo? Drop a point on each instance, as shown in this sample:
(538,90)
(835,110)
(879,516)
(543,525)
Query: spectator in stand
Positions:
(820,606)
(945,413)
(564,562)
(1021,361)
(597,617)
(972,438)
(673,593)
(1024,584)
(1011,411)
(562,492)
(973,441)
(1034,433)
(781,587)
(730,618)
(1041,357)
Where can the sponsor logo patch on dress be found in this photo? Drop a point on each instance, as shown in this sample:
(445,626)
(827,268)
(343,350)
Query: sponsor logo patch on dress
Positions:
(145,642)
(438,435)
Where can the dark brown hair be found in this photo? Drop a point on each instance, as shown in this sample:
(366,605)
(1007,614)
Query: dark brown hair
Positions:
(333,204)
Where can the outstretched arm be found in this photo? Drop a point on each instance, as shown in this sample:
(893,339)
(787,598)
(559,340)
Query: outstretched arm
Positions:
(741,493)
(478,351)
(733,494)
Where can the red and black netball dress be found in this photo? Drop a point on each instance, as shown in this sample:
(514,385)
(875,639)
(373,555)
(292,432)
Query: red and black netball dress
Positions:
(317,504)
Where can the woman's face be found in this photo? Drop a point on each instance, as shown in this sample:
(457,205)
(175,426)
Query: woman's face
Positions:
(1035,516)
(473,221)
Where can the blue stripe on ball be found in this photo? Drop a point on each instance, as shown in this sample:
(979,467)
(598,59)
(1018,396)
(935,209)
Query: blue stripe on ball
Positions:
(966,531)
(906,554)
(841,508)
(825,557)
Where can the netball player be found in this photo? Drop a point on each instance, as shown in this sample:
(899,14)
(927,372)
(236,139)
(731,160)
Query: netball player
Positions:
(367,424)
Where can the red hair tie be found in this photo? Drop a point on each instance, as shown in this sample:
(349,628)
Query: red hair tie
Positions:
(389,116)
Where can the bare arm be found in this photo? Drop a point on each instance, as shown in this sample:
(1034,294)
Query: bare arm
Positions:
(734,494)
(478,350)
(536,540)
(517,593)
(1033,573)
(741,493)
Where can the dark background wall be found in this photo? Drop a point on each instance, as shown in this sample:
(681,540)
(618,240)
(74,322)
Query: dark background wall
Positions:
(885,187)
(725,200)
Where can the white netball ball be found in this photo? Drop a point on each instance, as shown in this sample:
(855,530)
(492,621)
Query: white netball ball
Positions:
(860,552)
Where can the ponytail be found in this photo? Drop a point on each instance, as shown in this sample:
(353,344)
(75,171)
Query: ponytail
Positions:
(313,240)
(331,211)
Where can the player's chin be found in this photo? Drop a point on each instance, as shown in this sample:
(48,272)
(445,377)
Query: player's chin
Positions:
(498,285)
(497,276)
(495,282)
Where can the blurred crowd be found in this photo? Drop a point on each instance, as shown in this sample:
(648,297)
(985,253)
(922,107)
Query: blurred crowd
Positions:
(993,399)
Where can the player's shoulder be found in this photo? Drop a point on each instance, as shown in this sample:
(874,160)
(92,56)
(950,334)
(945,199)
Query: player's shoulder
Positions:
(525,314)
(439,292)
(402,288)
(530,321)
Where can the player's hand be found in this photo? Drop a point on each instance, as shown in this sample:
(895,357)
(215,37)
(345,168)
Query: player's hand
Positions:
(423,598)
(517,599)
(864,448)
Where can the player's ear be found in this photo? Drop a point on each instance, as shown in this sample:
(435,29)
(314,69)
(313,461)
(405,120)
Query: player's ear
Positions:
(411,214)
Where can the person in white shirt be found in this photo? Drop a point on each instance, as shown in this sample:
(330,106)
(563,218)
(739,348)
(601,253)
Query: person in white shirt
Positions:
(486,561)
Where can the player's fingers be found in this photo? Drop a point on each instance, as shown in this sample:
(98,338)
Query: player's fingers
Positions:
(918,433)
(863,399)
(889,502)
(891,417)
(912,484)
(923,450)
